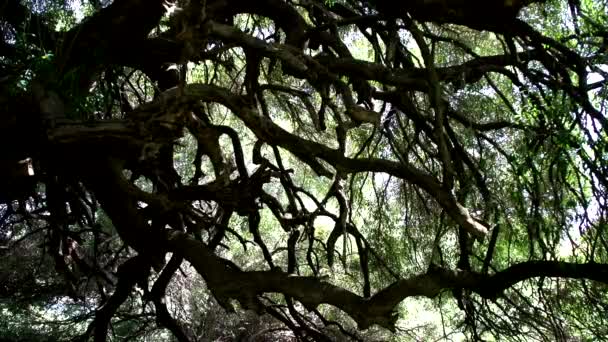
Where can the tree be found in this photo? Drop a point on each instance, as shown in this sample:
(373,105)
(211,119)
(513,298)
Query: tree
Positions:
(315,161)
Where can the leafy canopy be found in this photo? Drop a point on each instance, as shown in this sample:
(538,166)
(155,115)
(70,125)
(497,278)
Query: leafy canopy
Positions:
(303,170)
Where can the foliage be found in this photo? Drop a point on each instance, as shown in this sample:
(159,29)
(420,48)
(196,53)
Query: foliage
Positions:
(303,170)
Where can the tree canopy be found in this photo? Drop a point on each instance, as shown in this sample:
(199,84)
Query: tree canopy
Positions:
(303,170)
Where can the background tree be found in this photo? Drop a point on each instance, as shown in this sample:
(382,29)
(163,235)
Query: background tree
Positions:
(307,165)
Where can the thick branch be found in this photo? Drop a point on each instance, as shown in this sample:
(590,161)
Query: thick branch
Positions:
(129,273)
(492,15)
(307,151)
(229,283)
